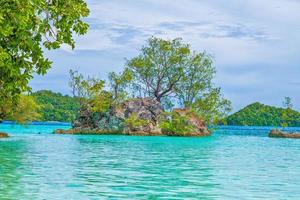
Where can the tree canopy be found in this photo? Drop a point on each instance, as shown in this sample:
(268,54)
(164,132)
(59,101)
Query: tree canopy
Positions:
(26,109)
(171,72)
(27,27)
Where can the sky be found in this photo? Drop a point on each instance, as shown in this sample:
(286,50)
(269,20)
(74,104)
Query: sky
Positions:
(255,44)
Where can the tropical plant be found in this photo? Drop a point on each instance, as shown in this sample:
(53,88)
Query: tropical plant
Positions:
(174,124)
(134,122)
(27,109)
(90,91)
(26,28)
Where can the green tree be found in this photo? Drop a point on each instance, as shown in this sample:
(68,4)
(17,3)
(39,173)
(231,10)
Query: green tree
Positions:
(28,26)
(196,80)
(287,103)
(118,84)
(171,72)
(26,109)
(212,107)
(90,91)
(159,67)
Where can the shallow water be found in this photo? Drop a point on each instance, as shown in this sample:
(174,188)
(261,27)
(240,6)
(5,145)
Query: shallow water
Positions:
(235,163)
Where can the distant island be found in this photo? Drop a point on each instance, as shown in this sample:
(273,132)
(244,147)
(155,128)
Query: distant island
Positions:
(258,114)
(55,106)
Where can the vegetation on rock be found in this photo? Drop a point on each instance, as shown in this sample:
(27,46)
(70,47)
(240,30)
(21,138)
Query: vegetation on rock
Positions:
(167,73)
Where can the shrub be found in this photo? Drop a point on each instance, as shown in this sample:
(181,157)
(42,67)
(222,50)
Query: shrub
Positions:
(175,124)
(133,121)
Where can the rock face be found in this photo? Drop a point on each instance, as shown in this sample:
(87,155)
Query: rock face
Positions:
(147,110)
(85,118)
(281,134)
(3,135)
(198,124)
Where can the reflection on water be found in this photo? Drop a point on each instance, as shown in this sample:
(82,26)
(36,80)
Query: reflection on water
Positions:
(228,165)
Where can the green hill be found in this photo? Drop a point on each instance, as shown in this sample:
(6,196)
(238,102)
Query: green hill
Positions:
(56,107)
(258,114)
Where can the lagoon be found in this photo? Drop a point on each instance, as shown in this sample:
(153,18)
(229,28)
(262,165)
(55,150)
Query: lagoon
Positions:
(234,163)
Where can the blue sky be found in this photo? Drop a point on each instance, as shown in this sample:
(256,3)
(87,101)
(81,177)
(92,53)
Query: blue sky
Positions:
(255,43)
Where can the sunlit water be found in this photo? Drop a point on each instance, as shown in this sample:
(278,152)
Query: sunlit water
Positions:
(235,163)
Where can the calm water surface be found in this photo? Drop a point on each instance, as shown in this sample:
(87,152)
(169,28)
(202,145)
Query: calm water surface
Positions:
(235,163)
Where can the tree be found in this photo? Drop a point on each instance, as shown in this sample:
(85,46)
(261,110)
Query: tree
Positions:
(196,80)
(118,84)
(171,72)
(287,103)
(27,109)
(212,107)
(28,26)
(90,91)
(159,67)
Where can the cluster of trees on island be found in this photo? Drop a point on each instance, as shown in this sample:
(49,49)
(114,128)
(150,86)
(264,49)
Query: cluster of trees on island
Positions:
(165,70)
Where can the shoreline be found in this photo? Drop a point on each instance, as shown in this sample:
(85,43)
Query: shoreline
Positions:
(101,132)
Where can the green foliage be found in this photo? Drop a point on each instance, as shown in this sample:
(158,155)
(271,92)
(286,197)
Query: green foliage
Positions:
(26,110)
(101,102)
(56,107)
(171,72)
(212,107)
(258,114)
(159,67)
(167,70)
(118,84)
(26,26)
(91,91)
(133,121)
(175,124)
(287,103)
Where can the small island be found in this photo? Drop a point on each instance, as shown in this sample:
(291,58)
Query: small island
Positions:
(140,116)
(166,90)
(3,135)
(275,133)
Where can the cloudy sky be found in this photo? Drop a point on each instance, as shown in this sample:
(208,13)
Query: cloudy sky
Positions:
(255,43)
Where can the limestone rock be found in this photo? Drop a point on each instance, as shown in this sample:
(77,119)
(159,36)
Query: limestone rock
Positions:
(3,135)
(275,133)
(148,110)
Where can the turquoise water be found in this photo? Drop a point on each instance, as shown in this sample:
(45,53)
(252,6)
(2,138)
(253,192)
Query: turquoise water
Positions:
(235,163)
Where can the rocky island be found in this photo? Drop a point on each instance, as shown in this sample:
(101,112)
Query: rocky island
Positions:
(3,135)
(144,98)
(140,116)
(275,133)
